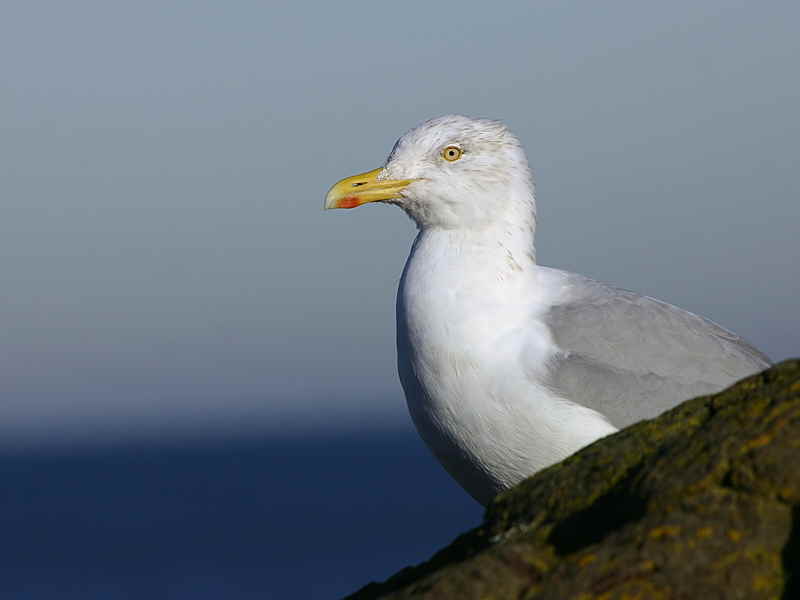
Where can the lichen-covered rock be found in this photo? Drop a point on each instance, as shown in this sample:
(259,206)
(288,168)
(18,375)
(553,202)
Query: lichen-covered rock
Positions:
(702,502)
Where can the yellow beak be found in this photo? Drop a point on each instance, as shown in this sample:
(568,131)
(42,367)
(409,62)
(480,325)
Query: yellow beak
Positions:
(362,188)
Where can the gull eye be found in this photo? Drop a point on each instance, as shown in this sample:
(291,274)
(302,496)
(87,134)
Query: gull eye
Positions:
(452,153)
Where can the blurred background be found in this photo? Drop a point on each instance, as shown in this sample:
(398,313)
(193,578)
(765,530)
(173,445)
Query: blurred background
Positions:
(198,395)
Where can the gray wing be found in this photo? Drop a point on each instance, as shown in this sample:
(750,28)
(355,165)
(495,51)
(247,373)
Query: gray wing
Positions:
(631,357)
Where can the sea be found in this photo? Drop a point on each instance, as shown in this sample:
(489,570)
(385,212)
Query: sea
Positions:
(312,516)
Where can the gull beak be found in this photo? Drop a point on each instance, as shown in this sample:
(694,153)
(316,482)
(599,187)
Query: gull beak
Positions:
(362,188)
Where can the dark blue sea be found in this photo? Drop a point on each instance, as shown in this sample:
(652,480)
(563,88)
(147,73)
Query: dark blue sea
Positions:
(290,518)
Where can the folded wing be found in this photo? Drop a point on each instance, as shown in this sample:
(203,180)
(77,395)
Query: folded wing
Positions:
(631,357)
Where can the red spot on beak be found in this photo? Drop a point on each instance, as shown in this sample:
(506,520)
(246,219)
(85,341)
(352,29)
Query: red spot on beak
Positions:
(348,202)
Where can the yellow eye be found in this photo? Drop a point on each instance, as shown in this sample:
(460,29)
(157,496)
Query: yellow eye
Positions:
(452,153)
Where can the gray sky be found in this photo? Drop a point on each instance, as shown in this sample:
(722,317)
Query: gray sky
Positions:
(165,261)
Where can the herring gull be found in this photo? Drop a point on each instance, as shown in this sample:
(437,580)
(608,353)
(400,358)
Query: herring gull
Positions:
(509,366)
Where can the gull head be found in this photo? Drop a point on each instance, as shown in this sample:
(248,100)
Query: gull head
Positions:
(452,172)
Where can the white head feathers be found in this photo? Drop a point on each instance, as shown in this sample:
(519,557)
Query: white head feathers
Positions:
(488,184)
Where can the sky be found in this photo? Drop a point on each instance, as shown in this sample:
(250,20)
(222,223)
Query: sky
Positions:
(167,268)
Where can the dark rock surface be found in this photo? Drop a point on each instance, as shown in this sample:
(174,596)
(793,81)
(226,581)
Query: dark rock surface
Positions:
(702,502)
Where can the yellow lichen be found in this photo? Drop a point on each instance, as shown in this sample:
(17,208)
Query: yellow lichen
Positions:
(705,532)
(665,531)
(757,442)
(587,560)
(763,582)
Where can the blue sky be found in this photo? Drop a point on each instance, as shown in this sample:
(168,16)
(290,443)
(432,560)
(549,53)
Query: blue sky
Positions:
(166,265)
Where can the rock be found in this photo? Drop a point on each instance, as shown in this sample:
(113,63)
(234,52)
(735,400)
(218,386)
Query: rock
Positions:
(701,502)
